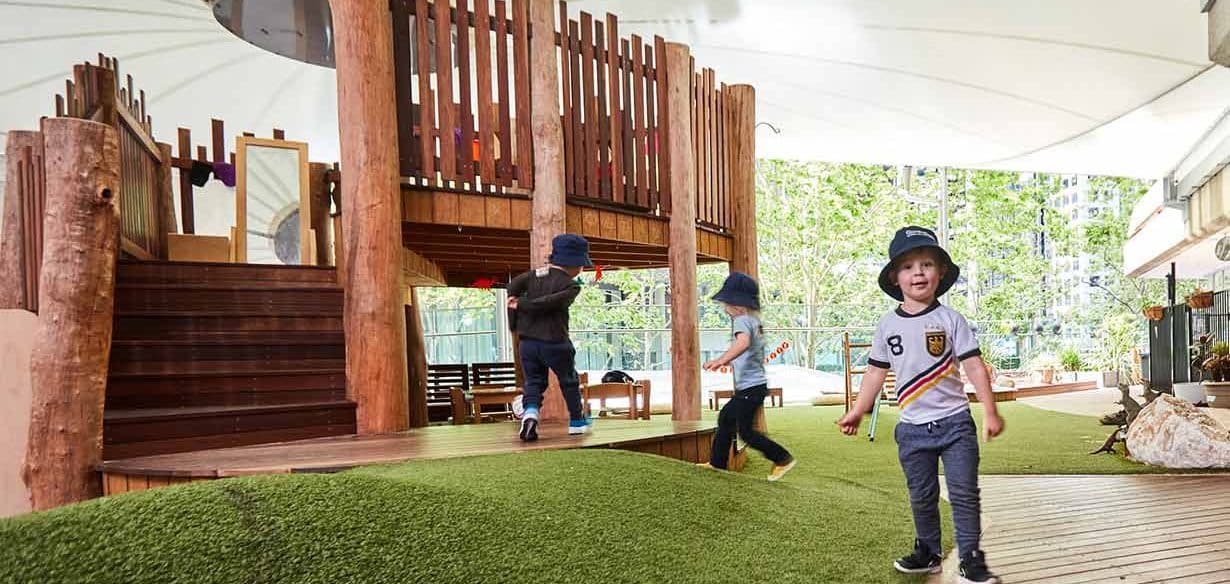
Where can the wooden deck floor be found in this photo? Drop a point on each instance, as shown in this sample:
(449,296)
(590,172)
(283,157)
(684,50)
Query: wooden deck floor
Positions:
(683,440)
(1107,529)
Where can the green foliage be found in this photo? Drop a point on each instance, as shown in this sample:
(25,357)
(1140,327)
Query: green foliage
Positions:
(1070,359)
(1117,336)
(471,519)
(1220,349)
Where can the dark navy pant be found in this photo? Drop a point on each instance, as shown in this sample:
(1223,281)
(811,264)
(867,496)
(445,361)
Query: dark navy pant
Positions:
(738,414)
(537,357)
(920,448)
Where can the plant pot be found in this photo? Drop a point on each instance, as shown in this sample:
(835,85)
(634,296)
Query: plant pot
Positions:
(1110,379)
(1155,312)
(1191,392)
(1217,393)
(1048,376)
(1200,300)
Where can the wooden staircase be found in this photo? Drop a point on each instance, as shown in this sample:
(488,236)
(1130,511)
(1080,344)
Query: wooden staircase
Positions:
(216,355)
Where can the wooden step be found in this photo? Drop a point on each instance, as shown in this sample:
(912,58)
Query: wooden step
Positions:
(216,388)
(232,347)
(170,325)
(137,301)
(223,368)
(128,272)
(146,431)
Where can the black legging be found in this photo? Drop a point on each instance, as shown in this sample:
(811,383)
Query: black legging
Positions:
(739,413)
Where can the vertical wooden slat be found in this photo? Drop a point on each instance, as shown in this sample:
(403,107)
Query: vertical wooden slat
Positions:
(566,98)
(638,107)
(426,118)
(465,150)
(663,143)
(521,59)
(652,159)
(280,134)
(578,106)
(615,116)
(591,106)
(627,166)
(711,130)
(444,91)
(698,144)
(505,167)
(601,126)
(486,134)
(406,146)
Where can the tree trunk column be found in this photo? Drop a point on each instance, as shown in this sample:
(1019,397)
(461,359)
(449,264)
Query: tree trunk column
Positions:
(549,202)
(685,331)
(374,314)
(742,101)
(68,363)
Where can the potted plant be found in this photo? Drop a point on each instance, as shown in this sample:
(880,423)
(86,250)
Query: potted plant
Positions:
(1154,312)
(1045,364)
(1200,299)
(1071,361)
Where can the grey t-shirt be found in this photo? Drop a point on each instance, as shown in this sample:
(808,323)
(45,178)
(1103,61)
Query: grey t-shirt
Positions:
(749,366)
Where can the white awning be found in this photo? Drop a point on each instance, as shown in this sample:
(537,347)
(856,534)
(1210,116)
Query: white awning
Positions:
(1120,87)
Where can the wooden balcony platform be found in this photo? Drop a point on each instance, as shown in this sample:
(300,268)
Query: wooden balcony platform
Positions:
(688,441)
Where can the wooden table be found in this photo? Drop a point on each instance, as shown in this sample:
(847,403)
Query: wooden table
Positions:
(491,395)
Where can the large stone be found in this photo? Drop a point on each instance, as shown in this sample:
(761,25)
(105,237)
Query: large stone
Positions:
(1173,433)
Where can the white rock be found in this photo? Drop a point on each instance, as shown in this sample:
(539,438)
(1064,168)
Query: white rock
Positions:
(1173,433)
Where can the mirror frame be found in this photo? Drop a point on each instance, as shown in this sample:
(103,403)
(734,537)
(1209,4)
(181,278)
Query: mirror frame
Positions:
(306,255)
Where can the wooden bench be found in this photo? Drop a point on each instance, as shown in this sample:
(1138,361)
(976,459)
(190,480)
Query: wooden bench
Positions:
(716,397)
(441,381)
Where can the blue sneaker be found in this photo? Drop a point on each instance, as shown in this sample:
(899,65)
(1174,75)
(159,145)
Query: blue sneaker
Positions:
(579,426)
(529,425)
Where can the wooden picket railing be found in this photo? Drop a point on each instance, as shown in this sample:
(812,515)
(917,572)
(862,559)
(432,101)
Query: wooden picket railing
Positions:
(31,193)
(612,99)
(146,212)
(711,126)
(473,140)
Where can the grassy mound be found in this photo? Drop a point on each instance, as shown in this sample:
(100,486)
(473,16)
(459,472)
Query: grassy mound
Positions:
(604,516)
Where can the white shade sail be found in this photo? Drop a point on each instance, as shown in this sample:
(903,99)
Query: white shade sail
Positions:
(1120,87)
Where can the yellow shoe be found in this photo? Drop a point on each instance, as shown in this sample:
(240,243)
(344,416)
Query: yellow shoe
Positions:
(780,471)
(706,466)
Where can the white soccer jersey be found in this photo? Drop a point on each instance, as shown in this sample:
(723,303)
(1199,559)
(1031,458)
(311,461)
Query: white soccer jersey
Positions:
(925,350)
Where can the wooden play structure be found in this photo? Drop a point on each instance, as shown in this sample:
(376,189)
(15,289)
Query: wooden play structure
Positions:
(460,161)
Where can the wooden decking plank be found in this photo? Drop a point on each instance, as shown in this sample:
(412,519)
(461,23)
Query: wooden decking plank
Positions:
(1104,529)
(1122,548)
(1165,571)
(1098,564)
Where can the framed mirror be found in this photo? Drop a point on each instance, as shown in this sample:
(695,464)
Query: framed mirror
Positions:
(272,205)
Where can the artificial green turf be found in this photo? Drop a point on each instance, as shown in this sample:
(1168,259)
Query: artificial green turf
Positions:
(562,516)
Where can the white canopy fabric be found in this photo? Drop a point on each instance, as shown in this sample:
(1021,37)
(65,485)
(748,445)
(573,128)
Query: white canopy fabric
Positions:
(1119,87)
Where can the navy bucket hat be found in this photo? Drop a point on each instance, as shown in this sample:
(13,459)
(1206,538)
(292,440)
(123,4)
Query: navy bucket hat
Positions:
(905,241)
(739,289)
(570,251)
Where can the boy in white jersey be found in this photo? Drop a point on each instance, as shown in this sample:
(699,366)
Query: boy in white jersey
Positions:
(923,342)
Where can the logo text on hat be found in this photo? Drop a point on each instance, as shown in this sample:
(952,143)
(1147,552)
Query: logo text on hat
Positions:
(919,233)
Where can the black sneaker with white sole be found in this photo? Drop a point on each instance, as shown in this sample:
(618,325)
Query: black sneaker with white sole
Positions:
(922,561)
(974,569)
(529,428)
